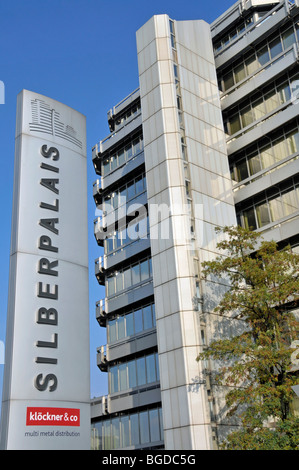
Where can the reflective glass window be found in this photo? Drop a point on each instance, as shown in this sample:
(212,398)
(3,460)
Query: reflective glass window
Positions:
(289,202)
(251,64)
(121,327)
(276,209)
(122,196)
(106,166)
(154,425)
(157,366)
(284,93)
(254,164)
(242,171)
(279,149)
(294,88)
(131,190)
(135,274)
(228,81)
(154,314)
(127,278)
(262,214)
(240,73)
(267,157)
(107,434)
(115,433)
(247,116)
(110,286)
(150,368)
(259,109)
(130,324)
(113,375)
(122,376)
(271,101)
(113,162)
(293,142)
(275,47)
(144,427)
(144,270)
(132,374)
(249,219)
(263,56)
(147,317)
(134,424)
(119,282)
(136,146)
(235,124)
(139,185)
(288,38)
(141,376)
(125,431)
(128,151)
(138,321)
(121,157)
(161,423)
(109,244)
(112,331)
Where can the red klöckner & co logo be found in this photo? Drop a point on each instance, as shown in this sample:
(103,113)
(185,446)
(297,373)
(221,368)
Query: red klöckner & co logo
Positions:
(52,416)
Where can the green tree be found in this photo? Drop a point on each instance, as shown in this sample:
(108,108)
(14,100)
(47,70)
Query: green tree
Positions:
(256,365)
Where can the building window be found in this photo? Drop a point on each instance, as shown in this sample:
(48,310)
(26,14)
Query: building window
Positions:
(234,33)
(261,104)
(268,152)
(122,195)
(277,204)
(263,55)
(131,323)
(135,429)
(137,372)
(117,158)
(135,274)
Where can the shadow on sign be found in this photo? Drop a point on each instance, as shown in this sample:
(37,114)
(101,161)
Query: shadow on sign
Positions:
(1,352)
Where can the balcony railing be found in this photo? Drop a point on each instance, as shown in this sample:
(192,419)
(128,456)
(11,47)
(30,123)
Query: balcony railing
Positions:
(286,5)
(100,270)
(101,312)
(101,146)
(291,51)
(102,358)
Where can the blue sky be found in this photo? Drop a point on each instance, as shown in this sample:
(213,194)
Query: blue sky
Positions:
(82,53)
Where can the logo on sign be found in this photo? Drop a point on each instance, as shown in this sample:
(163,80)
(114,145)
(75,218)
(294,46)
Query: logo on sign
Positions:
(41,416)
(47,120)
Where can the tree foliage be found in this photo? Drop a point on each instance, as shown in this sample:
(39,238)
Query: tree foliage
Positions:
(257,364)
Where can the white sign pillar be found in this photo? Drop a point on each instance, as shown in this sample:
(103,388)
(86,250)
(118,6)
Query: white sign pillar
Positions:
(46,398)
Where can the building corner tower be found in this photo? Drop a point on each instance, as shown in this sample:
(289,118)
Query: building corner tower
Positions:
(187,171)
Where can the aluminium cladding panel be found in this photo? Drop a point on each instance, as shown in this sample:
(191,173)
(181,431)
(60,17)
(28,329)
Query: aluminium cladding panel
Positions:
(46,398)
(141,398)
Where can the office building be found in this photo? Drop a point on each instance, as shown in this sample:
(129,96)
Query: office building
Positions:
(210,138)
